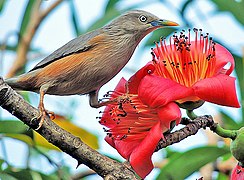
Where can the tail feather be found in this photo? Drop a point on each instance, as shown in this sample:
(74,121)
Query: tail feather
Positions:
(22,83)
(15,83)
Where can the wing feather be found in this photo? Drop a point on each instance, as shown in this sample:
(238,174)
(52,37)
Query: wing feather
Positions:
(77,45)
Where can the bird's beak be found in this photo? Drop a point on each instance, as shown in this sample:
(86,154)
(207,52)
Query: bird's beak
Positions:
(163,22)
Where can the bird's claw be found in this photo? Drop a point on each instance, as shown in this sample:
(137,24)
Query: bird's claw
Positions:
(42,115)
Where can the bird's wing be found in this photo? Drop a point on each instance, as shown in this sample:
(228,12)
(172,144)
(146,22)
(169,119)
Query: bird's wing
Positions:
(77,45)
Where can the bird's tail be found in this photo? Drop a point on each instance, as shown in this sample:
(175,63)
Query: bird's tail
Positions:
(15,83)
(20,83)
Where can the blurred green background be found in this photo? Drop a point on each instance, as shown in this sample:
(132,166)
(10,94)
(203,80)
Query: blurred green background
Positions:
(25,155)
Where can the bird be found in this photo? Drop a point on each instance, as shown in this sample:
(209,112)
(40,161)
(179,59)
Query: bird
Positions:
(87,62)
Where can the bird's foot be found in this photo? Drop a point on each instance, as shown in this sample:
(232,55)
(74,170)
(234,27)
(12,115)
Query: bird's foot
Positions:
(43,113)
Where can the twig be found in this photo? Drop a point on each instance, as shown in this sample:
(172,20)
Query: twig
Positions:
(104,166)
(37,18)
(191,128)
(44,13)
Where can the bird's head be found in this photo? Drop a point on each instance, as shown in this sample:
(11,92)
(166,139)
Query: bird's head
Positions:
(138,22)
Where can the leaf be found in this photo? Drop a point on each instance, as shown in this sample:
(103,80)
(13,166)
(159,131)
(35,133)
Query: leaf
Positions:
(84,135)
(111,5)
(108,16)
(74,17)
(229,122)
(156,35)
(1,163)
(2,4)
(27,15)
(27,174)
(234,7)
(182,165)
(222,176)
(21,137)
(10,126)
(239,67)
(4,176)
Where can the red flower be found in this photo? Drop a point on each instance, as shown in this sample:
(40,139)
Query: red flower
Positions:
(134,128)
(237,173)
(189,71)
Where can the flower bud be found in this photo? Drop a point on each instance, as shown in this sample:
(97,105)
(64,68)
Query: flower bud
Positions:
(237,146)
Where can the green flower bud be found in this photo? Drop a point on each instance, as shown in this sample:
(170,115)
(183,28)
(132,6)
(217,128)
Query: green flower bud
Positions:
(237,146)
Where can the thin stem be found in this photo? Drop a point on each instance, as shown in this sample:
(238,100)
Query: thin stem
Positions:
(191,114)
(224,132)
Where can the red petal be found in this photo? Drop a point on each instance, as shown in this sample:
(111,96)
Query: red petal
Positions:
(219,89)
(223,56)
(237,173)
(110,141)
(168,113)
(135,80)
(157,91)
(121,86)
(140,158)
(125,147)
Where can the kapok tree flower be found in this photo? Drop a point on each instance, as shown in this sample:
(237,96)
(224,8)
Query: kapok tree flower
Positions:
(190,71)
(237,173)
(134,128)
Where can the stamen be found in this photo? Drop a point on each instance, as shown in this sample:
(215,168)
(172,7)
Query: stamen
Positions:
(182,62)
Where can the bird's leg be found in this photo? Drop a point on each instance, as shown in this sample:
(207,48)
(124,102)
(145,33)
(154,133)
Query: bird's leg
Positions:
(42,111)
(94,102)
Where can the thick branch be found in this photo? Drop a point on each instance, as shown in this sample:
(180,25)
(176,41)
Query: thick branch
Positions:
(191,128)
(37,18)
(104,166)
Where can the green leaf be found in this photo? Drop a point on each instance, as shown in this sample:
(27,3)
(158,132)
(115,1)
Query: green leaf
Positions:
(21,137)
(239,67)
(229,122)
(108,16)
(8,126)
(74,17)
(156,35)
(222,176)
(111,5)
(4,176)
(182,165)
(2,4)
(1,163)
(234,7)
(28,174)
(27,15)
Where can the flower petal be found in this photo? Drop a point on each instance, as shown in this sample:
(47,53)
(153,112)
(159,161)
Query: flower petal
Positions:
(223,56)
(125,147)
(168,113)
(140,158)
(219,89)
(157,91)
(120,86)
(135,80)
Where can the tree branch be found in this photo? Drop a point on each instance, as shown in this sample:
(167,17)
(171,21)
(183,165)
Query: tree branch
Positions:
(104,166)
(191,128)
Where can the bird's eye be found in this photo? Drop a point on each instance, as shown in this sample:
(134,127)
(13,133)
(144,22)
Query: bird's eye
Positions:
(143,18)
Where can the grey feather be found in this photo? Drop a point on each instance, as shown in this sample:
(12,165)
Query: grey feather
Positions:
(77,45)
